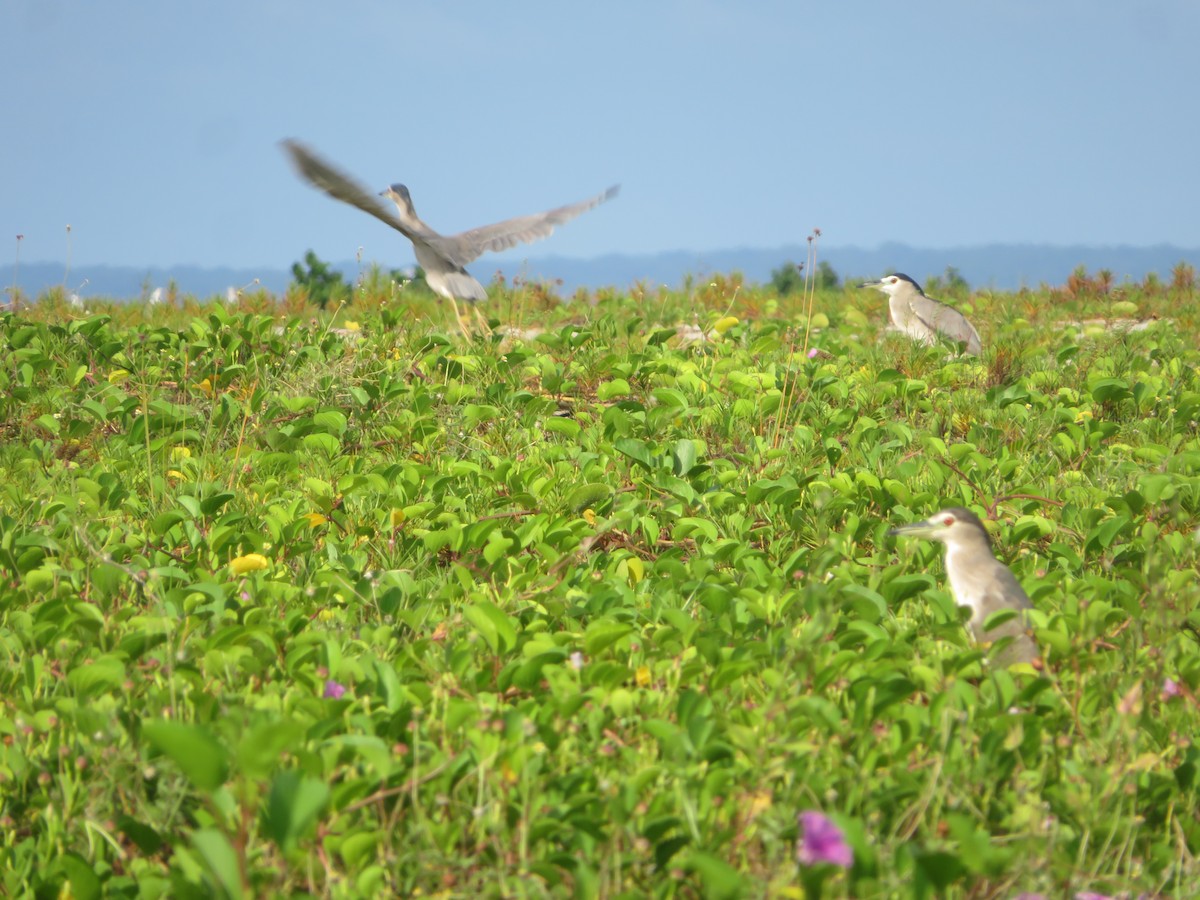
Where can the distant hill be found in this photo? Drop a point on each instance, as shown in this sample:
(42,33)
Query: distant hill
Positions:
(999,266)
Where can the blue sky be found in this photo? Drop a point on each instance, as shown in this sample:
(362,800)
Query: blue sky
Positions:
(153,128)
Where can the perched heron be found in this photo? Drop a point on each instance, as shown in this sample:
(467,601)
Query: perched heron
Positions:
(979,581)
(923,318)
(441,256)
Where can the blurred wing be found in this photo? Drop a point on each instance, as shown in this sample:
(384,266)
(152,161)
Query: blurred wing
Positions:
(469,245)
(340,186)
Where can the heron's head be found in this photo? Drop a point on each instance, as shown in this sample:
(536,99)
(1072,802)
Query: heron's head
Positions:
(893,284)
(399,195)
(950,526)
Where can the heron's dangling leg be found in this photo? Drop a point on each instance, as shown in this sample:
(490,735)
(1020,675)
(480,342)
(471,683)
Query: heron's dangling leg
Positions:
(481,320)
(464,327)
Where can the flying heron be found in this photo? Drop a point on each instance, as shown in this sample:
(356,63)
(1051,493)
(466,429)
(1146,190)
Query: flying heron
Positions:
(979,581)
(442,257)
(923,318)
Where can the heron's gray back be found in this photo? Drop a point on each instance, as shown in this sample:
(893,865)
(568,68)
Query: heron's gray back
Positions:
(987,586)
(948,321)
(445,279)
(924,318)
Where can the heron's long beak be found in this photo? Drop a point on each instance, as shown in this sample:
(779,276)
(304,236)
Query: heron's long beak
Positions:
(872,284)
(916,529)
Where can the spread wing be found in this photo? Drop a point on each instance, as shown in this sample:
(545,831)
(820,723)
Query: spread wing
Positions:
(462,248)
(326,177)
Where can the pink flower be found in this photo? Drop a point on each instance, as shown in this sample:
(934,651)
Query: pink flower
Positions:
(812,354)
(1090,895)
(576,660)
(822,842)
(1170,689)
(333,690)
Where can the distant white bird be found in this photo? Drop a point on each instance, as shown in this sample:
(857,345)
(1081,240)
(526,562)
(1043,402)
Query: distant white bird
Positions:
(923,318)
(156,297)
(441,256)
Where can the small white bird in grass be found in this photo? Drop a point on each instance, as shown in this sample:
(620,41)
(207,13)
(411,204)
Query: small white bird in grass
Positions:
(979,581)
(441,256)
(923,318)
(156,297)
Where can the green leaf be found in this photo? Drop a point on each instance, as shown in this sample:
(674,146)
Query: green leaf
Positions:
(636,452)
(262,746)
(562,425)
(1111,390)
(602,634)
(610,390)
(718,879)
(683,457)
(220,859)
(588,495)
(85,884)
(105,674)
(194,749)
(359,848)
(293,804)
(494,625)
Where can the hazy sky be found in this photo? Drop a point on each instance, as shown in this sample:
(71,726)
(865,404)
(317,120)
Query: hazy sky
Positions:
(153,128)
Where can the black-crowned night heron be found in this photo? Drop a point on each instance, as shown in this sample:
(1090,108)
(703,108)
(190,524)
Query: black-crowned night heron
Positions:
(441,256)
(923,318)
(979,581)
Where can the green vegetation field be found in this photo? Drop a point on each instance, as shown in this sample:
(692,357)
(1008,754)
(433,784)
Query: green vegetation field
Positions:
(343,604)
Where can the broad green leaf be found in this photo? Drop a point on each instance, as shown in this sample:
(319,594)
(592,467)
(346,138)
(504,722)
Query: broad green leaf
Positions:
(602,634)
(493,624)
(220,860)
(293,804)
(191,747)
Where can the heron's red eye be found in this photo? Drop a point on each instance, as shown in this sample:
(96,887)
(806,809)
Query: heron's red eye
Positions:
(948,521)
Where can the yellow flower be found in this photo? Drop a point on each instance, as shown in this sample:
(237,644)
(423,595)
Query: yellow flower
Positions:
(643,676)
(251,562)
(589,516)
(205,387)
(397,518)
(350,325)
(315,519)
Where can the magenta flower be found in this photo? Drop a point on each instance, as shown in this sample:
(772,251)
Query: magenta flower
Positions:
(1170,688)
(333,690)
(812,354)
(822,841)
(1090,895)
